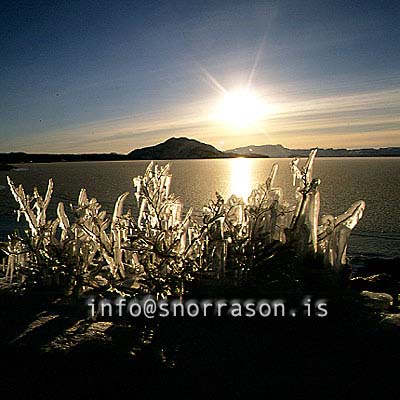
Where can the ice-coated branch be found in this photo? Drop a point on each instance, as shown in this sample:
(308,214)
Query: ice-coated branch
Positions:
(163,246)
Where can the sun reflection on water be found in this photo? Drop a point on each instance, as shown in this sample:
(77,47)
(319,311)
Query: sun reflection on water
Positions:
(241,177)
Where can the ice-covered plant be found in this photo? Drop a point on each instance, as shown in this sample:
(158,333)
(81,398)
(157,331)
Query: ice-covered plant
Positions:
(71,255)
(334,232)
(28,257)
(165,243)
(162,247)
(250,232)
(156,252)
(302,231)
(214,250)
(91,246)
(326,236)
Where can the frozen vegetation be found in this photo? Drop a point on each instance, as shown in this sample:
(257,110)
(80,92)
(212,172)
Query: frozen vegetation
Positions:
(162,247)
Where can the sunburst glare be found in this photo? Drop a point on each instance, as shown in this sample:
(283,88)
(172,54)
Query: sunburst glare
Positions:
(241,108)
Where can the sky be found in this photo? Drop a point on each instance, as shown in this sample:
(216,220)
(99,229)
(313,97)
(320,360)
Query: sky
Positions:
(112,76)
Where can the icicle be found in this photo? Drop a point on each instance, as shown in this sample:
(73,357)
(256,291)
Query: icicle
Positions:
(141,216)
(118,209)
(334,233)
(21,199)
(313,215)
(271,178)
(296,173)
(64,222)
(308,168)
(82,199)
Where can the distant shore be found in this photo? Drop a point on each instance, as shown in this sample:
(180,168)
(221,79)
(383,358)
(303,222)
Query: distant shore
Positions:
(26,158)
(184,148)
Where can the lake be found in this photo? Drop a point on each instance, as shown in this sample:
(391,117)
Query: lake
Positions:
(344,180)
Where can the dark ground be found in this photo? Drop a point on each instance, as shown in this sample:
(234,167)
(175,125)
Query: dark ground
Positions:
(351,353)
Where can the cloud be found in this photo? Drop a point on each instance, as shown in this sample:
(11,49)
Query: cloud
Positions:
(367,118)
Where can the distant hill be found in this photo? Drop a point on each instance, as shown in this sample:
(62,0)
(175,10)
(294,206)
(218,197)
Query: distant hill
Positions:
(184,148)
(16,158)
(172,149)
(175,148)
(279,151)
(180,148)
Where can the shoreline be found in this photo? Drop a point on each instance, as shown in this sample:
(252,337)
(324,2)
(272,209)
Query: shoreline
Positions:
(123,159)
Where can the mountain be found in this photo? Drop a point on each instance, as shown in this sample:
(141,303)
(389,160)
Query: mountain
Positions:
(279,151)
(180,148)
(173,148)
(184,148)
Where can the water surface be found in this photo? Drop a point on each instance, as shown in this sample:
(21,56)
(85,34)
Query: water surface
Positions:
(344,180)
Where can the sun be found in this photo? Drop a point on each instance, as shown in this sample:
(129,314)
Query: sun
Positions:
(240,108)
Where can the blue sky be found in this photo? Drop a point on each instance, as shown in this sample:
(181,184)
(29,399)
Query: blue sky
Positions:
(112,76)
